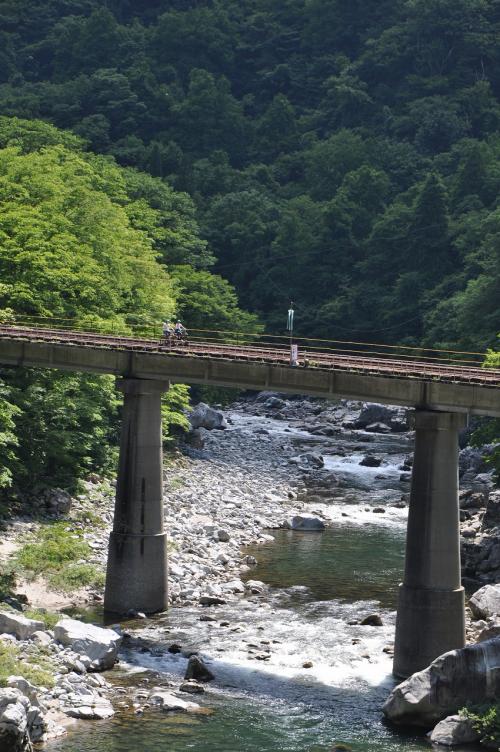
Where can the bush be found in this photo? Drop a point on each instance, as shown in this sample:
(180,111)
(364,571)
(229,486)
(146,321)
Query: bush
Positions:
(485,720)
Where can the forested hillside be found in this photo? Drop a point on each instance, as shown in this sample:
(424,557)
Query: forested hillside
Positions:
(344,153)
(87,242)
(341,153)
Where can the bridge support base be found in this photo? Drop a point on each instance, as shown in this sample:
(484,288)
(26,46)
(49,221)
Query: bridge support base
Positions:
(431,609)
(136,577)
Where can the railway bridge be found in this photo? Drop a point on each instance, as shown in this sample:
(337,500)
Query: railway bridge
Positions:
(441,393)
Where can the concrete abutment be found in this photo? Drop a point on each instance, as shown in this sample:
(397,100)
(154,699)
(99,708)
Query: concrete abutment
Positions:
(136,577)
(431,608)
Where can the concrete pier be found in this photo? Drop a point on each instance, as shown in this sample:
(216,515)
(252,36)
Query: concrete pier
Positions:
(431,617)
(136,575)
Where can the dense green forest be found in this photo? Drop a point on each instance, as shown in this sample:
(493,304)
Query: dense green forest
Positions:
(341,153)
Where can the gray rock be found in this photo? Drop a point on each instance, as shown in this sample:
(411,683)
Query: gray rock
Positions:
(204,416)
(197,670)
(305,522)
(192,687)
(169,702)
(453,730)
(492,515)
(88,706)
(373,620)
(485,602)
(100,645)
(370,461)
(378,428)
(41,638)
(457,678)
(18,625)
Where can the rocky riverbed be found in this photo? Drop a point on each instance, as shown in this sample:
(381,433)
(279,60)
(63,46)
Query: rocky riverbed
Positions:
(271,463)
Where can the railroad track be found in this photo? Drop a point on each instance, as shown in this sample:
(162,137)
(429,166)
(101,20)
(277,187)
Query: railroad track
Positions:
(388,366)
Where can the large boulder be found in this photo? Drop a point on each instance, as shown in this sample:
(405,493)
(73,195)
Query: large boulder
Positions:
(373,413)
(452,731)
(90,706)
(197,670)
(18,625)
(470,675)
(20,722)
(486,602)
(492,515)
(204,416)
(100,645)
(305,522)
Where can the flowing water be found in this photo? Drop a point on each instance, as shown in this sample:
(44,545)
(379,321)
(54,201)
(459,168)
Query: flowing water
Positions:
(264,698)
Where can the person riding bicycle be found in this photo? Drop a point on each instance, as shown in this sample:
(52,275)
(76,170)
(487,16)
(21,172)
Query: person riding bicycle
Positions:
(166,329)
(180,330)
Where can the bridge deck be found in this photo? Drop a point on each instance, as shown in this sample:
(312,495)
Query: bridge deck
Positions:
(419,383)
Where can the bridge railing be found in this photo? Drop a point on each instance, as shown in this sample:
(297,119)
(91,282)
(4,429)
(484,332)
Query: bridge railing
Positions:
(311,349)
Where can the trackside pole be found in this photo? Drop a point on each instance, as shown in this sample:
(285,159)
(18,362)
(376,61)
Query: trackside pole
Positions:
(136,577)
(431,615)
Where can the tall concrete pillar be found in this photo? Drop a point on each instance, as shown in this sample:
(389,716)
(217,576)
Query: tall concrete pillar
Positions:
(136,575)
(431,617)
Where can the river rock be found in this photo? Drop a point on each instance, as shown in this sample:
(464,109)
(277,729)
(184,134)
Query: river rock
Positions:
(389,418)
(100,645)
(14,735)
(89,706)
(20,722)
(204,416)
(452,681)
(192,687)
(18,625)
(491,517)
(373,620)
(485,602)
(305,522)
(378,428)
(370,461)
(197,670)
(453,730)
(169,702)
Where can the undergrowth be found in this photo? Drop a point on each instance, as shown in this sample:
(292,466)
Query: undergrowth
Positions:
(36,668)
(57,554)
(485,720)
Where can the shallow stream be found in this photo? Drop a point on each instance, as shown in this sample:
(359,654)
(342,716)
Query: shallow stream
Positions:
(264,698)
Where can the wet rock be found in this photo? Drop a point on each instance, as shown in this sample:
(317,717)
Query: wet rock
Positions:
(452,731)
(100,645)
(305,522)
(192,687)
(307,664)
(378,510)
(174,648)
(90,706)
(485,602)
(489,633)
(391,418)
(448,684)
(370,461)
(373,620)
(18,625)
(211,600)
(204,416)
(197,670)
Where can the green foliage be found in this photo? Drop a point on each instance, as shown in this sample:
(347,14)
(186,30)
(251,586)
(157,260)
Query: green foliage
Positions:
(80,244)
(37,668)
(55,554)
(174,405)
(485,720)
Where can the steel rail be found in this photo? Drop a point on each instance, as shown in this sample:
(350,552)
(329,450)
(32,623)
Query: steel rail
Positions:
(338,361)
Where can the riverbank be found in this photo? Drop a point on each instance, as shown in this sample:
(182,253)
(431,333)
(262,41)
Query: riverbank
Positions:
(277,460)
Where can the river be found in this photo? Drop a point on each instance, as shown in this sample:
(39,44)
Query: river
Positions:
(294,671)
